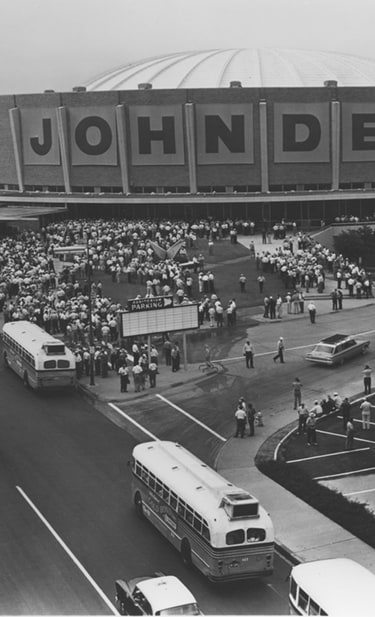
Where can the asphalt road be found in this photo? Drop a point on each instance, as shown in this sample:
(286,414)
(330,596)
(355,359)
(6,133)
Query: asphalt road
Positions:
(68,530)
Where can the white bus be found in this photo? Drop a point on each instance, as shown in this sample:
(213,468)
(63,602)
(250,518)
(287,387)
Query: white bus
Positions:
(218,527)
(337,586)
(41,360)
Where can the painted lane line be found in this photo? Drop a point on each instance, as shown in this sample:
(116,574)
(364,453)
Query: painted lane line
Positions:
(356,419)
(368,490)
(68,552)
(312,458)
(185,413)
(345,473)
(344,436)
(125,415)
(276,453)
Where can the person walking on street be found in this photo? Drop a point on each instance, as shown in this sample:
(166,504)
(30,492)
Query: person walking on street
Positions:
(297,391)
(280,350)
(367,379)
(349,441)
(242,281)
(311,430)
(124,378)
(312,311)
(302,418)
(251,413)
(345,410)
(365,408)
(152,372)
(261,278)
(248,352)
(240,416)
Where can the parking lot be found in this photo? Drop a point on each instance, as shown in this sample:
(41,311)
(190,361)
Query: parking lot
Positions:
(350,472)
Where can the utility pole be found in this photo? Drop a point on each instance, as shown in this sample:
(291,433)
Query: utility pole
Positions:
(91,333)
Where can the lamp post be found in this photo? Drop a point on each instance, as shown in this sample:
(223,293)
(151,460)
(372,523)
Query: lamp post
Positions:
(91,334)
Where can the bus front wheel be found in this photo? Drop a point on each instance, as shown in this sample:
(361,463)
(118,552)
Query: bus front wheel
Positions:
(6,361)
(25,380)
(186,553)
(138,505)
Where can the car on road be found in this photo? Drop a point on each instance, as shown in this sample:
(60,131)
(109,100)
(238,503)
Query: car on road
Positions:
(336,349)
(155,595)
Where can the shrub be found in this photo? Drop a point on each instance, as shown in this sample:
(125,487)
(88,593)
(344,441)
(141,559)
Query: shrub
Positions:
(355,517)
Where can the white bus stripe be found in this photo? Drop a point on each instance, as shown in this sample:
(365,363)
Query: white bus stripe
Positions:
(185,413)
(125,415)
(345,473)
(311,458)
(68,552)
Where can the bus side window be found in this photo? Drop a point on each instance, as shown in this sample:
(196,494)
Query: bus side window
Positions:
(314,608)
(158,487)
(181,508)
(303,600)
(165,492)
(173,500)
(293,588)
(151,480)
(189,515)
(197,523)
(206,531)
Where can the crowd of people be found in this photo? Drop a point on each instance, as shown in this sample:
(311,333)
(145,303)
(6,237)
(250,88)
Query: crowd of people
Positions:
(309,416)
(33,288)
(58,299)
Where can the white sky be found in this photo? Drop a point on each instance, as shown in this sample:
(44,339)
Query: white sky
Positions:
(61,44)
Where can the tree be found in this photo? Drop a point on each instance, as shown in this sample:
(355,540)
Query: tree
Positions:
(357,245)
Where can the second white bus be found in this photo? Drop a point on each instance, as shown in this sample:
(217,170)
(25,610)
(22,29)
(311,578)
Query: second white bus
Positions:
(41,360)
(337,586)
(218,527)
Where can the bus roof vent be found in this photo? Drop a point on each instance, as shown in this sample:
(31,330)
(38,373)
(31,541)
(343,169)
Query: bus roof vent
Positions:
(240,505)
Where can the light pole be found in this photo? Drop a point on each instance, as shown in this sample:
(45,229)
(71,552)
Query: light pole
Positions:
(91,334)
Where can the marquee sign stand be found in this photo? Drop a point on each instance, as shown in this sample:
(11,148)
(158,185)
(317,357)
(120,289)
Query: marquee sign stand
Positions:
(158,314)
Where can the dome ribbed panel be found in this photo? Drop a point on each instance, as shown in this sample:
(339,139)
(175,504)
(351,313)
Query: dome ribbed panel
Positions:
(216,68)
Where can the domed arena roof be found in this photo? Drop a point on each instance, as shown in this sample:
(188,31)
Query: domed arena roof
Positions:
(216,68)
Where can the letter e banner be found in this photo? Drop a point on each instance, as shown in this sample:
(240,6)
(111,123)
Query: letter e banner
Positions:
(358,132)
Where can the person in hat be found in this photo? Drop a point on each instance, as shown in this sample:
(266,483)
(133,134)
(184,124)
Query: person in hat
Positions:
(280,350)
(311,429)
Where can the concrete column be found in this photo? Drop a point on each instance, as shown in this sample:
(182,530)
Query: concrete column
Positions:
(264,179)
(191,146)
(15,128)
(122,139)
(335,144)
(62,128)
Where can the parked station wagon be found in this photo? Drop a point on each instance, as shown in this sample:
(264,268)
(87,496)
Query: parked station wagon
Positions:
(336,349)
(155,595)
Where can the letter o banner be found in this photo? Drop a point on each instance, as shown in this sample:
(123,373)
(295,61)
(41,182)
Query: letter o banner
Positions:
(105,135)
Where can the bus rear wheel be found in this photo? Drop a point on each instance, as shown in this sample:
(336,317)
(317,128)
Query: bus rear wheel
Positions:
(138,505)
(25,380)
(186,553)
